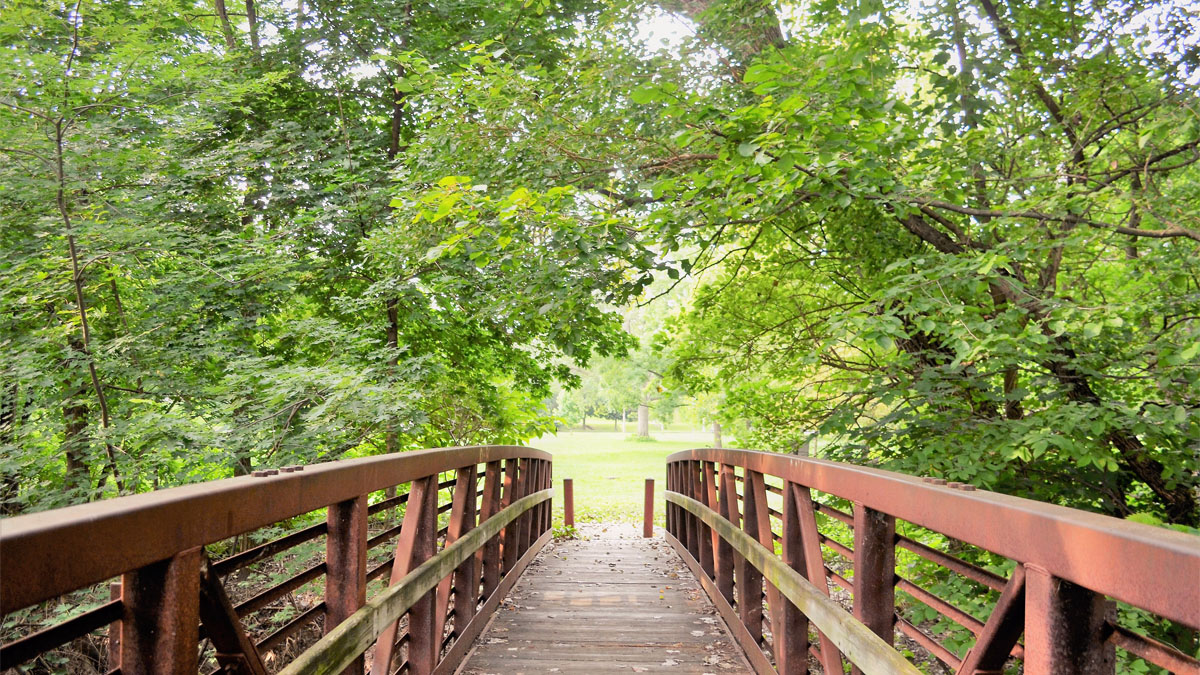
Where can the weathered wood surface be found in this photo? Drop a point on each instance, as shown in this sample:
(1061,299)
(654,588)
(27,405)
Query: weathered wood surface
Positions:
(613,603)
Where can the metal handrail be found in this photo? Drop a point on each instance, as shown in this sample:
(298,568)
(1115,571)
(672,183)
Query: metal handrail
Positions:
(1069,562)
(1122,559)
(54,552)
(171,595)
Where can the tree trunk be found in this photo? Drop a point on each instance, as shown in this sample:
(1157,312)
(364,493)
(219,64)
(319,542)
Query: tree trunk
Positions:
(252,20)
(226,27)
(391,441)
(643,420)
(716,428)
(624,430)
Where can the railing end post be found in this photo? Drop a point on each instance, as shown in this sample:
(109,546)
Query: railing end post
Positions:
(568,502)
(648,518)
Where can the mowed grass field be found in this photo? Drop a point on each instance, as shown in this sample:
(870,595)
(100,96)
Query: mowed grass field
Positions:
(609,471)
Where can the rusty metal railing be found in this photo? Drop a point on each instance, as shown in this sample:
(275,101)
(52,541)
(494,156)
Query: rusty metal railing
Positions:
(805,524)
(189,583)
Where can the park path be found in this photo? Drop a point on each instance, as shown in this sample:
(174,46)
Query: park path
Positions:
(608,602)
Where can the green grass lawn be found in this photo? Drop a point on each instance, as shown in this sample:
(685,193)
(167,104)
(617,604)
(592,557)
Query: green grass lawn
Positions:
(610,471)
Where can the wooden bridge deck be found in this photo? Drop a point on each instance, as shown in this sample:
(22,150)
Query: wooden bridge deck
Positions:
(610,603)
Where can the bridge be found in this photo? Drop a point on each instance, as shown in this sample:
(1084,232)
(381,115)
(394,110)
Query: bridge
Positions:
(399,563)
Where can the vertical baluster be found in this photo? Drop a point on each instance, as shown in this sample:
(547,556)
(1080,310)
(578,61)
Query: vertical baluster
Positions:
(708,547)
(648,509)
(160,626)
(727,506)
(756,491)
(416,544)
(462,521)
(568,502)
(875,572)
(548,505)
(791,649)
(1064,627)
(508,536)
(524,487)
(345,565)
(535,514)
(672,511)
(489,557)
(750,580)
(704,540)
(692,482)
(114,630)
(831,659)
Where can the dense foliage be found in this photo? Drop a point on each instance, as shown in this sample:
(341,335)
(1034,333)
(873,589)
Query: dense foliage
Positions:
(210,262)
(950,238)
(957,240)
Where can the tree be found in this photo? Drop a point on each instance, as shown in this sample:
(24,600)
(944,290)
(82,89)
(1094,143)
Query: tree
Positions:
(959,244)
(204,270)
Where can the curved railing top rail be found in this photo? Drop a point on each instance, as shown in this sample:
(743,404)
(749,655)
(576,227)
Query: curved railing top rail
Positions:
(57,551)
(1124,560)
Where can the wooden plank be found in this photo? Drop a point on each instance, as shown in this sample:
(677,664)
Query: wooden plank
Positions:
(554,624)
(757,659)
(466,637)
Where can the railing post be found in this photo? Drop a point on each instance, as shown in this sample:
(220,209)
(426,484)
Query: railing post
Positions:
(160,627)
(1064,625)
(509,536)
(711,543)
(568,502)
(695,525)
(345,564)
(705,538)
(416,544)
(463,581)
(750,580)
(114,630)
(791,650)
(527,479)
(548,505)
(671,512)
(727,506)
(648,510)
(490,555)
(875,571)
